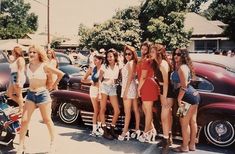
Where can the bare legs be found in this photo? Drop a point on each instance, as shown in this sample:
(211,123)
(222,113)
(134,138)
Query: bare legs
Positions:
(15,93)
(189,128)
(148,111)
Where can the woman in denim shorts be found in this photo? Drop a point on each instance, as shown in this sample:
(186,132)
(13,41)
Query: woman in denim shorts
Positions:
(108,75)
(17,78)
(38,95)
(95,92)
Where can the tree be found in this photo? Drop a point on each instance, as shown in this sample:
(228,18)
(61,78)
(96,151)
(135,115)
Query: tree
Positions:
(169,30)
(15,20)
(123,28)
(163,22)
(223,10)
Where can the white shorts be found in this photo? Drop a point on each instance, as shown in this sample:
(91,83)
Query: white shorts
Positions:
(94,91)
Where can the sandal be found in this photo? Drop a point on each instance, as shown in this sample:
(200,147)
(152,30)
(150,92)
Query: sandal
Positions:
(179,150)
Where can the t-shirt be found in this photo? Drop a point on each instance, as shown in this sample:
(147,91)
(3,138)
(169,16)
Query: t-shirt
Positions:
(110,73)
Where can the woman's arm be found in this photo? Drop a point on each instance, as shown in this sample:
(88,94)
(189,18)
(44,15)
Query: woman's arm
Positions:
(142,80)
(183,75)
(88,73)
(164,68)
(20,70)
(57,72)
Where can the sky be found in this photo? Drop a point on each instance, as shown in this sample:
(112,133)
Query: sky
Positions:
(66,15)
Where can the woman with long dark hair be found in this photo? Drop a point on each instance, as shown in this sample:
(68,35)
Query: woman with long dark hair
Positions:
(187,97)
(129,91)
(148,91)
(108,76)
(162,68)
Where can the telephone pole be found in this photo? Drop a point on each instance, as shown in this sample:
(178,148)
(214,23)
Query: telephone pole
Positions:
(48,24)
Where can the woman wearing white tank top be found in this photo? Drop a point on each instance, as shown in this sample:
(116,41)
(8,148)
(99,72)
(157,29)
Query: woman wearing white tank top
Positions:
(38,95)
(17,78)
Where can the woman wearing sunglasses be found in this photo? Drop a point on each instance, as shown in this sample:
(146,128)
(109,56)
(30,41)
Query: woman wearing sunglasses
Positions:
(129,91)
(185,93)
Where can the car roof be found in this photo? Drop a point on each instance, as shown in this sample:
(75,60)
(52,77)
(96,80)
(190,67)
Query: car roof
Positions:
(219,60)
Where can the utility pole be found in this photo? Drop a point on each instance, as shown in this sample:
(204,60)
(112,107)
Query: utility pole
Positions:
(48,24)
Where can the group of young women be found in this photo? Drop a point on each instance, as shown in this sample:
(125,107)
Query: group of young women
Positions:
(43,77)
(151,77)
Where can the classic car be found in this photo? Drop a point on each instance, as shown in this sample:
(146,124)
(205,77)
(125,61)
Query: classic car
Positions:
(65,65)
(216,113)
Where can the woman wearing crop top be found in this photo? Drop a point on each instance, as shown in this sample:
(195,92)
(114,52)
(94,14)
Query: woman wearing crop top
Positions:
(94,92)
(181,77)
(53,63)
(148,90)
(17,78)
(129,92)
(38,95)
(162,69)
(108,76)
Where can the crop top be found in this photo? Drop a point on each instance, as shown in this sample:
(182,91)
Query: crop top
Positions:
(39,73)
(95,75)
(110,73)
(175,77)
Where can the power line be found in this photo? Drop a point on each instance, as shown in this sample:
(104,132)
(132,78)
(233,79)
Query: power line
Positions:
(39,2)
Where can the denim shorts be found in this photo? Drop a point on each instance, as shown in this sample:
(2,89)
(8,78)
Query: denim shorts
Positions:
(39,97)
(110,90)
(94,91)
(13,79)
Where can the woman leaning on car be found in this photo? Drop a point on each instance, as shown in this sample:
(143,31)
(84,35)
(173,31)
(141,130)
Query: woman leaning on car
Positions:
(94,91)
(186,96)
(162,68)
(108,76)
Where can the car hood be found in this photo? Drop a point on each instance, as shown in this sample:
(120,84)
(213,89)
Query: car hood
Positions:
(70,69)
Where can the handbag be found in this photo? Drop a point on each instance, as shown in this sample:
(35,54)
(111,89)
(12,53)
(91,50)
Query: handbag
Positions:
(183,110)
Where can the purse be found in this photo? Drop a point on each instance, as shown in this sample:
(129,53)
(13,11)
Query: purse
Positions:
(183,110)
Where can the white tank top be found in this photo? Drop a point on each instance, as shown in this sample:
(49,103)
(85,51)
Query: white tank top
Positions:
(13,66)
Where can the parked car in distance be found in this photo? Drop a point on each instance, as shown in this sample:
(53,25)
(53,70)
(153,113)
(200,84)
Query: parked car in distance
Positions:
(216,113)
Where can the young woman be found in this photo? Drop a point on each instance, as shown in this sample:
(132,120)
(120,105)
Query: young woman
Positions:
(94,91)
(18,78)
(52,61)
(38,94)
(108,75)
(129,91)
(148,90)
(162,69)
(181,77)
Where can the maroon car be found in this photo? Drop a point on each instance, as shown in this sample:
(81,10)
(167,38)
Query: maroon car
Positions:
(216,113)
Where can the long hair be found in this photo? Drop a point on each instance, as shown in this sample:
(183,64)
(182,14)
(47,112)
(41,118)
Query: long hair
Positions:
(133,52)
(184,59)
(41,52)
(146,44)
(115,54)
(18,52)
(53,56)
(160,51)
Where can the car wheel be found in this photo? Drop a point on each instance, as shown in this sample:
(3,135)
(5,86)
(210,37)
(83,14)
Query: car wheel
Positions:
(84,68)
(220,133)
(68,112)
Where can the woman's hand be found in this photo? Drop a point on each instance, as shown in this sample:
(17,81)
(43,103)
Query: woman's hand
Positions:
(125,95)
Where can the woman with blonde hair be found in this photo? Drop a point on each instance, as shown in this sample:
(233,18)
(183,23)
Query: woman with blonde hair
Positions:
(38,95)
(17,78)
(52,61)
(129,92)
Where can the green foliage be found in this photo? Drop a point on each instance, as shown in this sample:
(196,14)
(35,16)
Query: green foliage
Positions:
(223,10)
(169,30)
(194,5)
(15,20)
(122,29)
(55,44)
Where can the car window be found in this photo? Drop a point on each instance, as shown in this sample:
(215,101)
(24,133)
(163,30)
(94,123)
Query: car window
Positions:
(62,59)
(202,84)
(2,58)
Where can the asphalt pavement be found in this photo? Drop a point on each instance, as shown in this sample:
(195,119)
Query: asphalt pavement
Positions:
(73,139)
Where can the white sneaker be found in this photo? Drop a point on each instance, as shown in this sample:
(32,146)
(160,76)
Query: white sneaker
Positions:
(52,149)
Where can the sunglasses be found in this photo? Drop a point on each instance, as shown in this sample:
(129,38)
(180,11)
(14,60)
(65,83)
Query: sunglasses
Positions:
(177,54)
(128,54)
